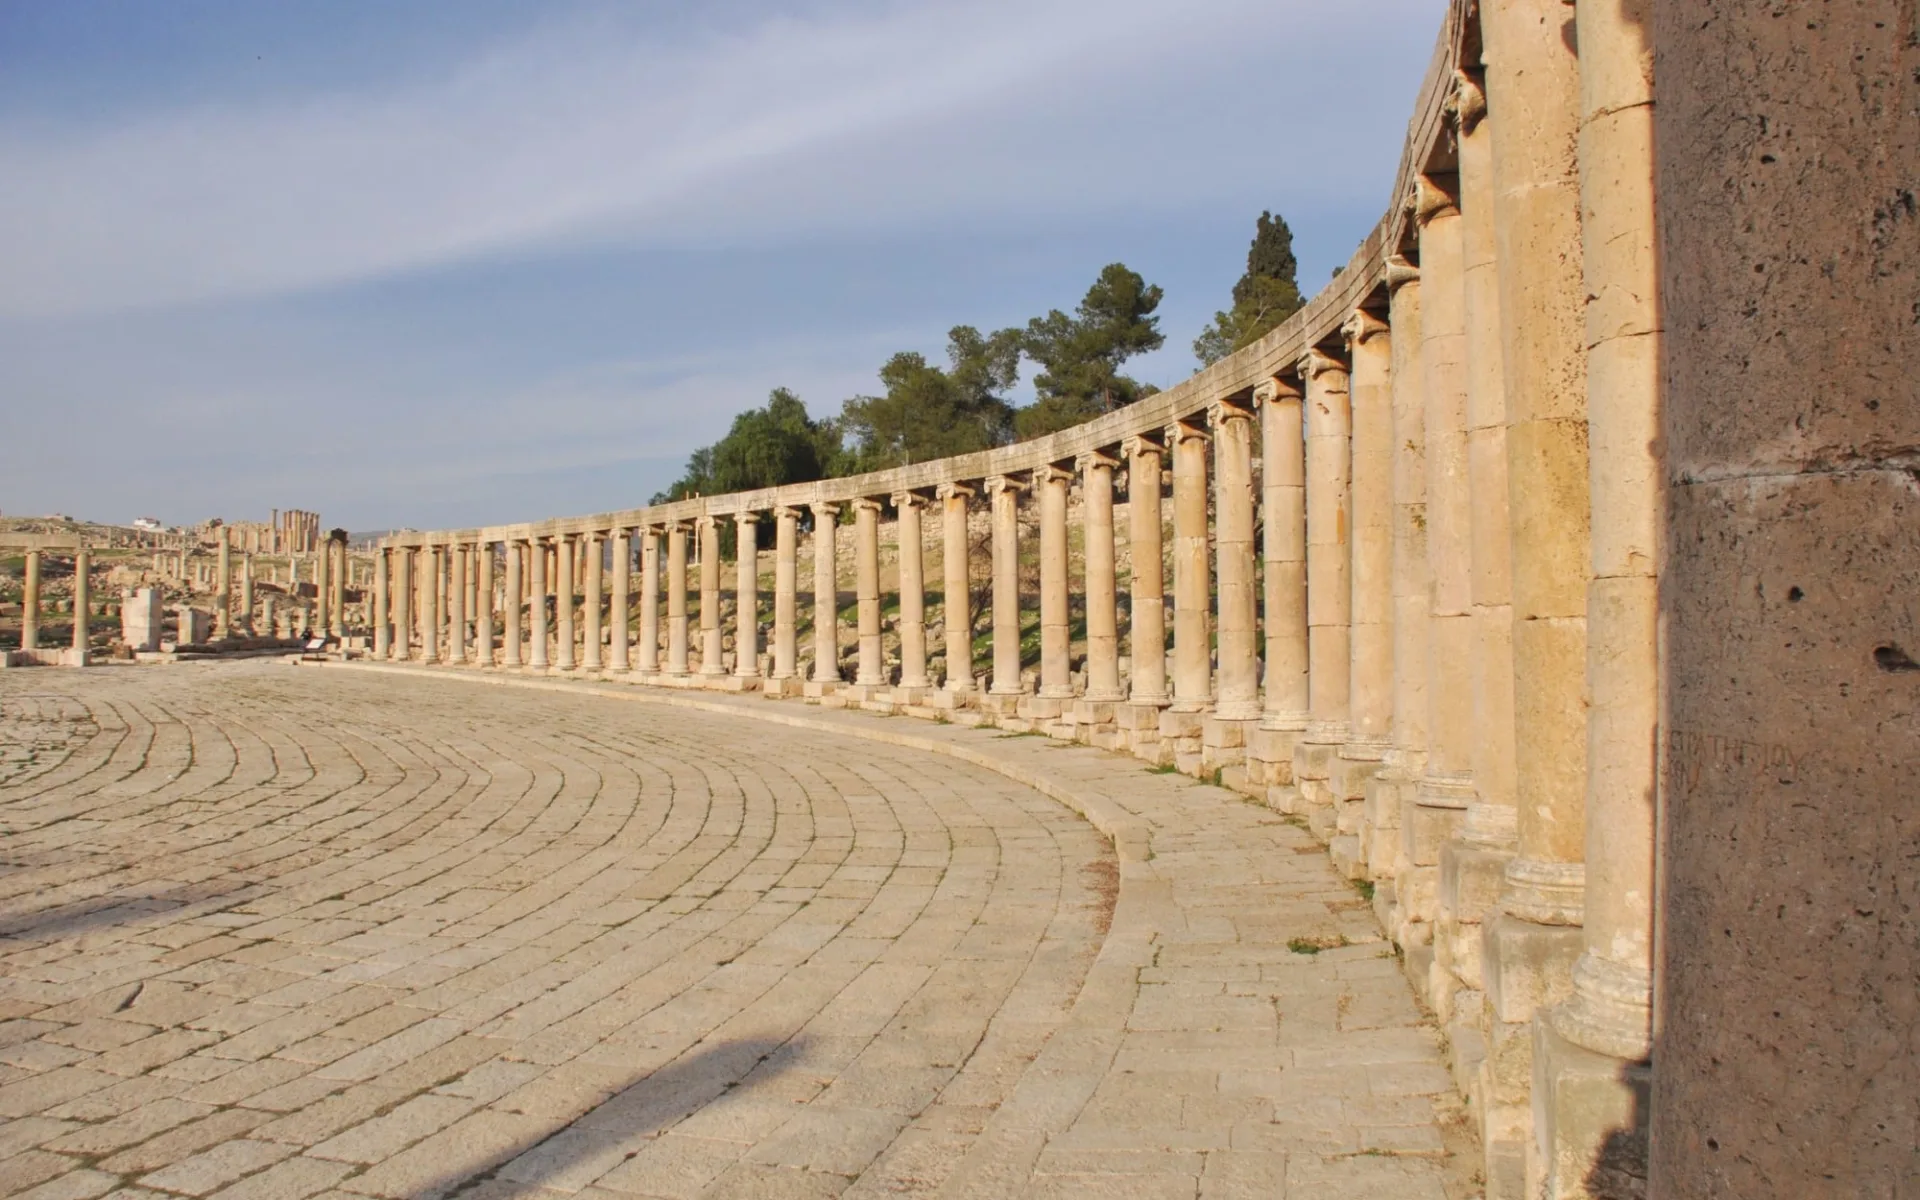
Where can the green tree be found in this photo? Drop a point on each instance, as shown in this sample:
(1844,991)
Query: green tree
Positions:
(765,447)
(1266,295)
(931,412)
(1080,355)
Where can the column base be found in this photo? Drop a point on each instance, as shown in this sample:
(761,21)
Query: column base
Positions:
(1270,754)
(1471,878)
(1546,892)
(1182,739)
(734,683)
(1223,742)
(783,688)
(953,699)
(1590,1120)
(1313,759)
(1528,968)
(820,689)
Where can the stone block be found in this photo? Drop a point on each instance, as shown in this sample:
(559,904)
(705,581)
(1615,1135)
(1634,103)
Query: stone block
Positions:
(141,613)
(1417,963)
(1347,859)
(1591,1114)
(1313,760)
(1094,712)
(193,626)
(1138,717)
(812,689)
(1420,895)
(1177,724)
(1466,1042)
(1218,758)
(1527,967)
(1470,878)
(1347,777)
(1425,831)
(1041,708)
(1225,732)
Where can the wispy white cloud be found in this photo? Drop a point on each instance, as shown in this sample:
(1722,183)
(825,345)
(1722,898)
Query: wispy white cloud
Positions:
(599,128)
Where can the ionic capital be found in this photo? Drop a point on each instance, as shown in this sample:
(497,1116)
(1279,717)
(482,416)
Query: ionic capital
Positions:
(948,491)
(866,504)
(1362,326)
(786,512)
(1468,104)
(1275,390)
(999,484)
(1187,430)
(1141,445)
(907,499)
(746,517)
(1431,201)
(1317,362)
(1094,459)
(824,510)
(1052,473)
(1400,272)
(1220,412)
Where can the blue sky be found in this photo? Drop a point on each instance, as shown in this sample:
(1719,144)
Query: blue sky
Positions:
(426,264)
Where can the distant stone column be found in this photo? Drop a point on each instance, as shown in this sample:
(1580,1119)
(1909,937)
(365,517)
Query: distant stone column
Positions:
(956,596)
(1238,689)
(82,602)
(1103,617)
(223,587)
(866,558)
(1283,485)
(566,657)
(30,604)
(619,657)
(323,594)
(649,661)
(596,584)
(913,592)
(536,550)
(1329,547)
(1370,351)
(338,599)
(710,634)
(382,604)
(1192,586)
(826,595)
(402,604)
(246,594)
(457,604)
(433,583)
(1147,624)
(746,595)
(786,587)
(1056,665)
(1412,578)
(1004,495)
(483,601)
(510,636)
(677,633)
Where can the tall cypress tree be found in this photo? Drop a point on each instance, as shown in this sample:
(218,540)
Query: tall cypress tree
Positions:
(1267,294)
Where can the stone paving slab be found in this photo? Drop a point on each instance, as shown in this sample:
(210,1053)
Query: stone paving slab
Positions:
(375,933)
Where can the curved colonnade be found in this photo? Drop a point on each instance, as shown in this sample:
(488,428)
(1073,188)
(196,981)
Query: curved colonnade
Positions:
(1392,569)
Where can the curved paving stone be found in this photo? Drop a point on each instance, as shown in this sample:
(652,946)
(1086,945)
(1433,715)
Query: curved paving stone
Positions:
(277,933)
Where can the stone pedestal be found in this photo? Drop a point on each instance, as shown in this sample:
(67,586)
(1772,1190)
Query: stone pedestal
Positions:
(141,613)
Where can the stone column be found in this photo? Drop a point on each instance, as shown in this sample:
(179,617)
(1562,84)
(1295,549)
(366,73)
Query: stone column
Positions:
(1283,484)
(1369,348)
(337,603)
(431,583)
(510,637)
(536,551)
(457,604)
(1192,653)
(323,590)
(710,635)
(246,594)
(649,663)
(30,604)
(1610,1011)
(1406,758)
(1103,617)
(1004,495)
(563,584)
(826,596)
(786,587)
(1147,625)
(746,595)
(956,596)
(619,657)
(1238,695)
(83,602)
(1329,579)
(223,587)
(591,658)
(1056,666)
(913,593)
(483,601)
(866,558)
(677,633)
(382,602)
(403,592)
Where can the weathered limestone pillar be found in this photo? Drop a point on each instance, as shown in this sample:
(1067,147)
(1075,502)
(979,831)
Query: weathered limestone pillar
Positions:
(866,560)
(649,663)
(1192,652)
(337,605)
(1238,695)
(711,637)
(483,610)
(746,595)
(1329,582)
(403,591)
(786,587)
(619,657)
(510,637)
(323,592)
(223,586)
(826,597)
(83,603)
(537,617)
(30,604)
(1102,596)
(1370,350)
(1003,494)
(457,604)
(591,546)
(382,602)
(246,594)
(677,632)
(1056,679)
(913,595)
(432,583)
(1283,485)
(563,590)
(1147,623)
(956,597)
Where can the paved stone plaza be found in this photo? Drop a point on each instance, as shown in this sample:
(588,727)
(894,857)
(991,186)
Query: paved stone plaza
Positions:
(278,933)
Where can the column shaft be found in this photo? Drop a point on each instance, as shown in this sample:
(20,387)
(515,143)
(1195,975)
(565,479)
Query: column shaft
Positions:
(913,592)
(1192,587)
(246,594)
(710,636)
(826,595)
(956,595)
(563,593)
(1102,599)
(649,663)
(431,585)
(1056,679)
(537,617)
(1329,550)
(746,596)
(82,602)
(1238,696)
(382,603)
(223,587)
(866,552)
(510,637)
(403,593)
(483,605)
(1412,578)
(596,586)
(1004,494)
(30,604)
(1370,351)
(677,633)
(457,604)
(1147,621)
(786,586)
(322,593)
(621,605)
(337,604)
